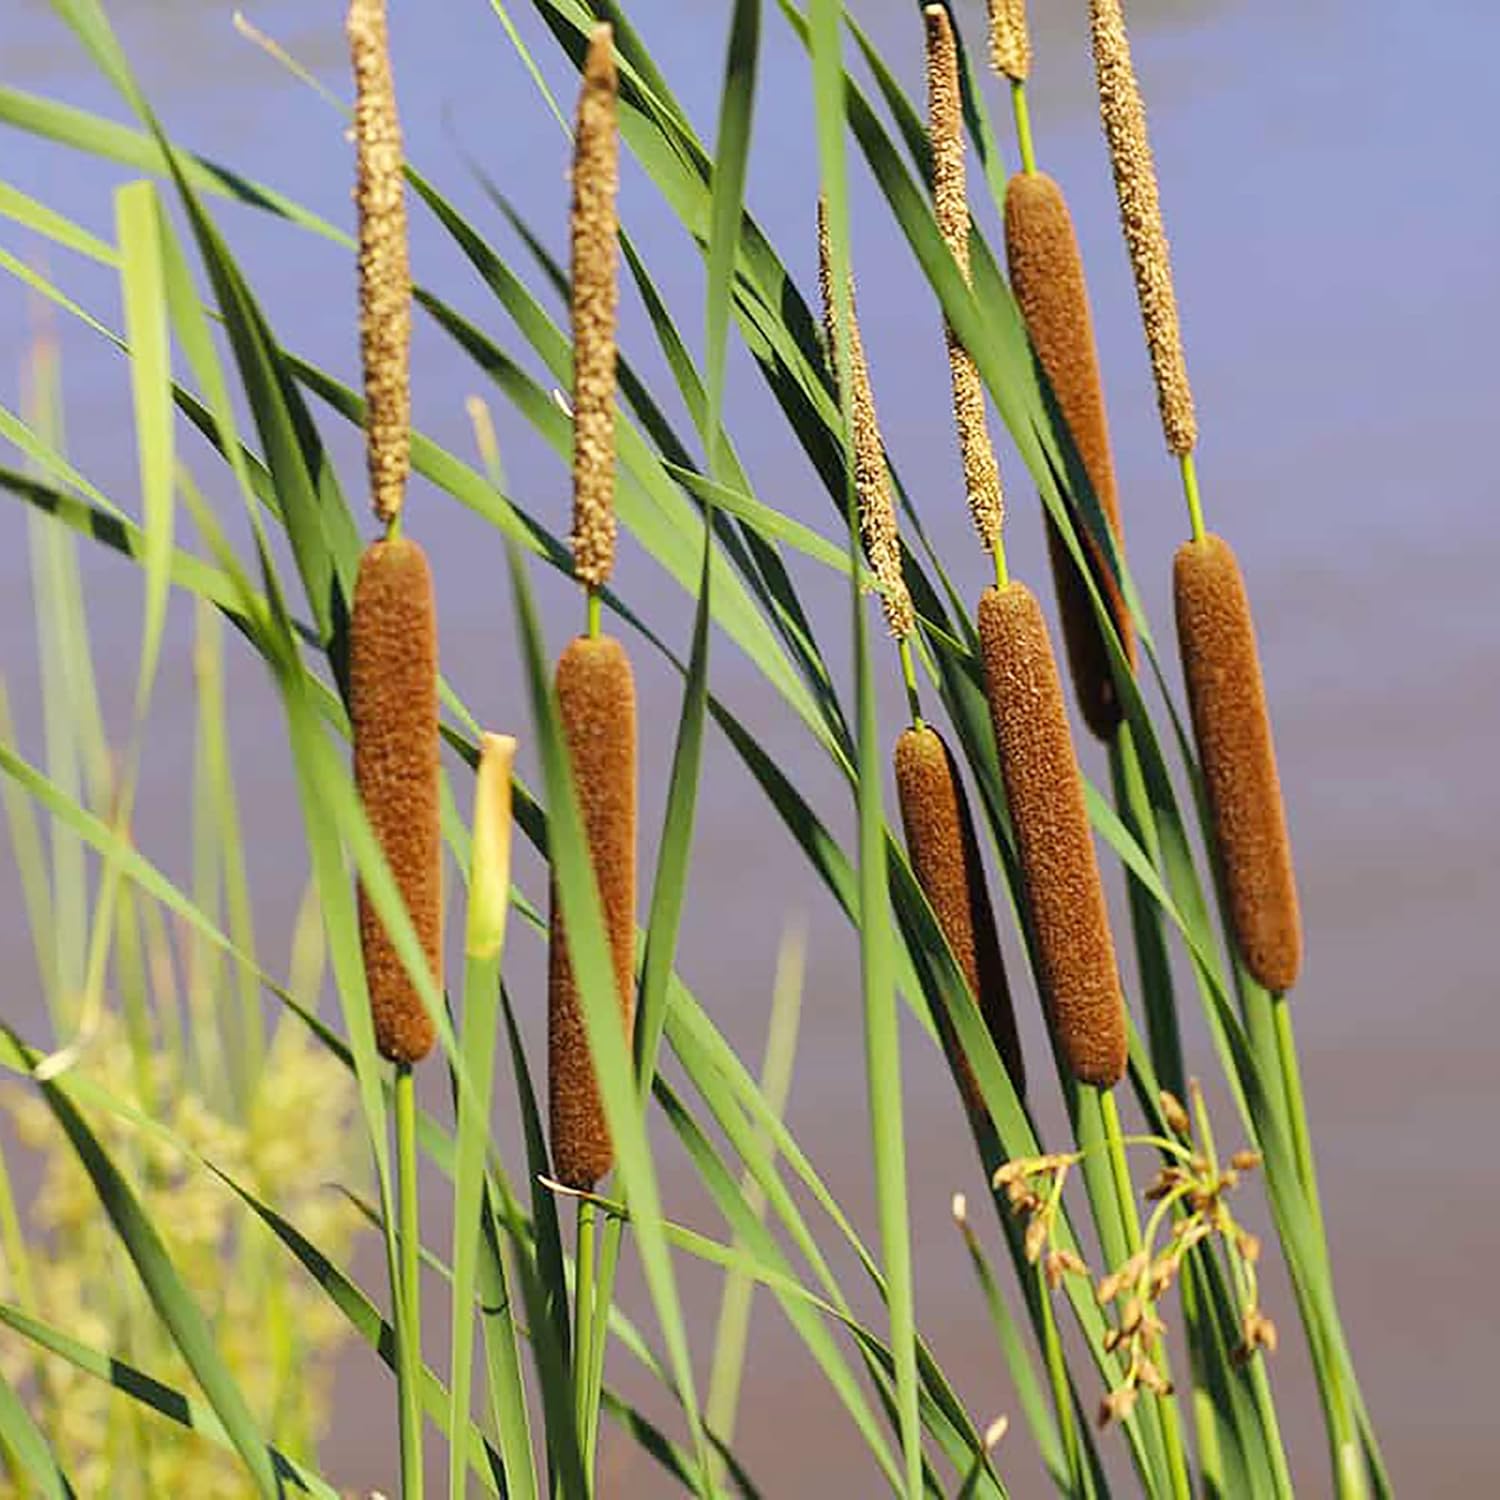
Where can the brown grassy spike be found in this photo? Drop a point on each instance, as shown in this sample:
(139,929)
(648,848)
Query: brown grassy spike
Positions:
(1077,974)
(1233,731)
(1046,275)
(945,857)
(393,705)
(596,700)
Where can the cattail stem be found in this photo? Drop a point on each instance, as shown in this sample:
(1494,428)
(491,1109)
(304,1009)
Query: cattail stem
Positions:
(408,1285)
(1119,1166)
(595,615)
(1296,1109)
(1194,499)
(909,677)
(1022,112)
(583,1314)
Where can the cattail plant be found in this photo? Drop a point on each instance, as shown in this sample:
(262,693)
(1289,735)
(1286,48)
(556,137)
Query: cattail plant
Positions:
(393,628)
(1047,279)
(940,836)
(1216,636)
(393,696)
(595,688)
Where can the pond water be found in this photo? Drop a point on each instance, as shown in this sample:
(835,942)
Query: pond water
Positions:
(1335,213)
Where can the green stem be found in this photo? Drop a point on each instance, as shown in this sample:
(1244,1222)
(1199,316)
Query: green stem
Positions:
(1022,112)
(1002,572)
(604,1289)
(408,1292)
(1296,1110)
(1125,1192)
(1192,495)
(595,614)
(909,677)
(1062,1390)
(583,1322)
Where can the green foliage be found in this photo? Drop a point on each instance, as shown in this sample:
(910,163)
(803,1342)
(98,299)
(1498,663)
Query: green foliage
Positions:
(182,1134)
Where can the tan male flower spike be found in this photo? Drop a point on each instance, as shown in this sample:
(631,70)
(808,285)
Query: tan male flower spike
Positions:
(872,483)
(384,272)
(1010,40)
(951,205)
(595,252)
(1124,117)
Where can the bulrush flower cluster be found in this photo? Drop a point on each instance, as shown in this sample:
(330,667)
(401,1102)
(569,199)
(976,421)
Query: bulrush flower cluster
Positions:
(1190,1197)
(1033,1187)
(1190,1200)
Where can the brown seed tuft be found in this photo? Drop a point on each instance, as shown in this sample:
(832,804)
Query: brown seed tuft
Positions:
(872,480)
(1076,970)
(596,702)
(393,707)
(1046,275)
(1124,116)
(384,272)
(951,205)
(945,856)
(1010,40)
(596,299)
(1232,729)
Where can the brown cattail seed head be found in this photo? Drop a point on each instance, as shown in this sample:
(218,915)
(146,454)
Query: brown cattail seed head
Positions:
(393,707)
(945,856)
(1124,117)
(1010,39)
(872,480)
(1232,729)
(384,272)
(596,703)
(1046,275)
(1075,952)
(596,298)
(951,205)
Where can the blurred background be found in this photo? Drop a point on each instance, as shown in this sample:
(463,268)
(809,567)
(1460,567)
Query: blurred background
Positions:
(1329,184)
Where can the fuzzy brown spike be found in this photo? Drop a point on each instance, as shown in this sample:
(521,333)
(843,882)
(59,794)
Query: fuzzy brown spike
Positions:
(1046,275)
(1124,116)
(1010,39)
(945,857)
(384,272)
(1075,951)
(393,708)
(872,480)
(596,702)
(596,299)
(951,205)
(1232,728)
